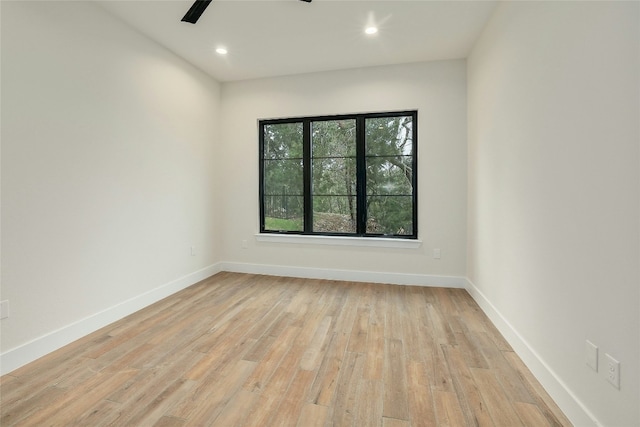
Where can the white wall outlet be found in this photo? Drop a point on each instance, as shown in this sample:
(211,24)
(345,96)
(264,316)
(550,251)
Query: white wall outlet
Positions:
(591,355)
(193,251)
(4,309)
(244,244)
(613,371)
(436,253)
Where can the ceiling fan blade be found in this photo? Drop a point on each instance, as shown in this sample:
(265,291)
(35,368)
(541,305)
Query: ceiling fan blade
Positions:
(196,10)
(198,7)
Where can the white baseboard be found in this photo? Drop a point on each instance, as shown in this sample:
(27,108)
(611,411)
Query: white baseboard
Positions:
(572,407)
(347,275)
(26,353)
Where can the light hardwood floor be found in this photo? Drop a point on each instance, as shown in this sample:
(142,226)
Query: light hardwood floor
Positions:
(250,350)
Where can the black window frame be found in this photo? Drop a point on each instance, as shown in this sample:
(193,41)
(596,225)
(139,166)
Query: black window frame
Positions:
(361,195)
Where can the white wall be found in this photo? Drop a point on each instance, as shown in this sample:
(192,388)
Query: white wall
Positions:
(108,143)
(437,90)
(554,194)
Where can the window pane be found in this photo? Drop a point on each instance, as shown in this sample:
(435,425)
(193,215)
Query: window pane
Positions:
(283,177)
(390,215)
(333,148)
(334,214)
(283,140)
(333,138)
(389,136)
(283,213)
(389,167)
(389,175)
(335,176)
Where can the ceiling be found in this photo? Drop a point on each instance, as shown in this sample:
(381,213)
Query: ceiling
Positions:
(267,38)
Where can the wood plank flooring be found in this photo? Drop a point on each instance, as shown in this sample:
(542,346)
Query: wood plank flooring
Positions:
(250,350)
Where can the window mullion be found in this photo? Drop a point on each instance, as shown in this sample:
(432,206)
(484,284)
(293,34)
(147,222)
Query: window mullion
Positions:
(361,177)
(306,170)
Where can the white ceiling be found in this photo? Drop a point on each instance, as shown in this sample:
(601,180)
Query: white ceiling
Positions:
(268,38)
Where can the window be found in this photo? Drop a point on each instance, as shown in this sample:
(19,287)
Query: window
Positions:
(348,175)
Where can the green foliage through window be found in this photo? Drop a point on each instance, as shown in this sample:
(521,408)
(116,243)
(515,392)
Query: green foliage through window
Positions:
(340,175)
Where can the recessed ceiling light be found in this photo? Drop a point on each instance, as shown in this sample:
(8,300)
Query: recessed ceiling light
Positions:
(371,30)
(221,51)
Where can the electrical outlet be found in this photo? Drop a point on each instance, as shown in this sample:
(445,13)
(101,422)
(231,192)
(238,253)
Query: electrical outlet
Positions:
(4,309)
(613,371)
(591,355)
(193,251)
(244,244)
(436,253)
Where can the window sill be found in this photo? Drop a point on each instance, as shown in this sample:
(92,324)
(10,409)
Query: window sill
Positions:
(370,242)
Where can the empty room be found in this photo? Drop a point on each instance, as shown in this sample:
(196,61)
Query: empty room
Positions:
(320,213)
